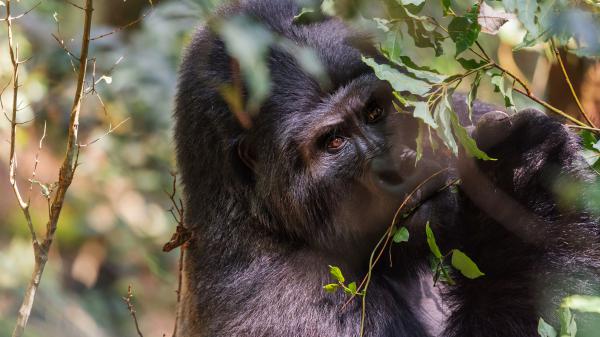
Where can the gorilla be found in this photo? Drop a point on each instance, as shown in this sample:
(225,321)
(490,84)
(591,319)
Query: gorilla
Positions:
(317,179)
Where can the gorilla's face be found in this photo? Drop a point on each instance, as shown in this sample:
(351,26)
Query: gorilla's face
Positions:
(339,170)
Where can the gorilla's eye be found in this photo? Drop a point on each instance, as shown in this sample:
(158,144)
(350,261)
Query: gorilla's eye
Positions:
(374,115)
(335,143)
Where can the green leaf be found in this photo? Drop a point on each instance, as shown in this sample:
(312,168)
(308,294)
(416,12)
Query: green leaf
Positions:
(582,303)
(588,139)
(545,330)
(383,24)
(433,247)
(568,326)
(401,235)
(399,81)
(248,42)
(351,288)
(328,7)
(464,30)
(331,288)
(470,64)
(473,94)
(411,2)
(465,140)
(336,272)
(498,82)
(422,112)
(465,265)
(446,7)
(442,116)
(419,140)
(422,73)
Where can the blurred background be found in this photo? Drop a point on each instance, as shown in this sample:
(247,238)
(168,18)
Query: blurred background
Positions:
(116,218)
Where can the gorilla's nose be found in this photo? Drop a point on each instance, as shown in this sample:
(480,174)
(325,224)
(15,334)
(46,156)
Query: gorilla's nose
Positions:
(400,176)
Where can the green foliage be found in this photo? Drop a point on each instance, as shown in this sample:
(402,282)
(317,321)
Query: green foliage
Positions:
(459,260)
(464,30)
(401,235)
(351,289)
(582,303)
(465,265)
(433,247)
(568,327)
(546,330)
(336,272)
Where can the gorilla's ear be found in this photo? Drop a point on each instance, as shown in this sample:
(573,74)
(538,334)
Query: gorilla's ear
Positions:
(246,157)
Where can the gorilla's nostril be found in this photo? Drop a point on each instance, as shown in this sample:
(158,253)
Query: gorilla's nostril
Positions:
(390,177)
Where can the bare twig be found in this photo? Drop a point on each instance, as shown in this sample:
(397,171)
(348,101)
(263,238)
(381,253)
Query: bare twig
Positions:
(131,309)
(134,22)
(179,239)
(66,172)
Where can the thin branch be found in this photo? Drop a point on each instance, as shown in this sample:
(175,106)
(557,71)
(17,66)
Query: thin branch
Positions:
(131,309)
(551,108)
(35,165)
(66,172)
(111,129)
(132,23)
(568,80)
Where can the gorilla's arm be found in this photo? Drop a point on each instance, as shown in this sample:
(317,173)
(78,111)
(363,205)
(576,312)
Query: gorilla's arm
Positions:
(533,250)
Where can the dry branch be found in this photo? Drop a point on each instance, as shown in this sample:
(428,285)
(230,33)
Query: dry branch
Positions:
(66,172)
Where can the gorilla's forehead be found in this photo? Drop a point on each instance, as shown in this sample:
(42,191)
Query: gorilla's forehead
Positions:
(331,39)
(342,105)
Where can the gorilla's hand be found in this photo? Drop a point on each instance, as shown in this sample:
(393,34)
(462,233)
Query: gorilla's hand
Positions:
(533,153)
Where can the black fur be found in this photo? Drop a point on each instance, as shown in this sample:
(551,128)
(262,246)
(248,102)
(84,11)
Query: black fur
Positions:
(270,207)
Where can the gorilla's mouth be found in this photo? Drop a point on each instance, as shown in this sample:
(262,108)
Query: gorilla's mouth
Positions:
(426,191)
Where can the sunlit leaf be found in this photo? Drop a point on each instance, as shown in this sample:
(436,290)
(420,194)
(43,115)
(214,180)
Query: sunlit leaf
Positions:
(442,117)
(419,141)
(399,81)
(466,141)
(433,247)
(422,112)
(545,330)
(465,265)
(331,288)
(351,288)
(411,2)
(401,235)
(248,42)
(336,272)
(568,326)
(582,303)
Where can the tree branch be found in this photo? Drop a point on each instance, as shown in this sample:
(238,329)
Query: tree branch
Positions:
(67,169)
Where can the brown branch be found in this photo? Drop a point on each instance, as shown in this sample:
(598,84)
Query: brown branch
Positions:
(66,172)
(179,239)
(568,80)
(131,309)
(551,108)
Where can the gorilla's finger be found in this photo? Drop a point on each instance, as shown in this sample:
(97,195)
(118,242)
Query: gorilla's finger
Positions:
(492,128)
